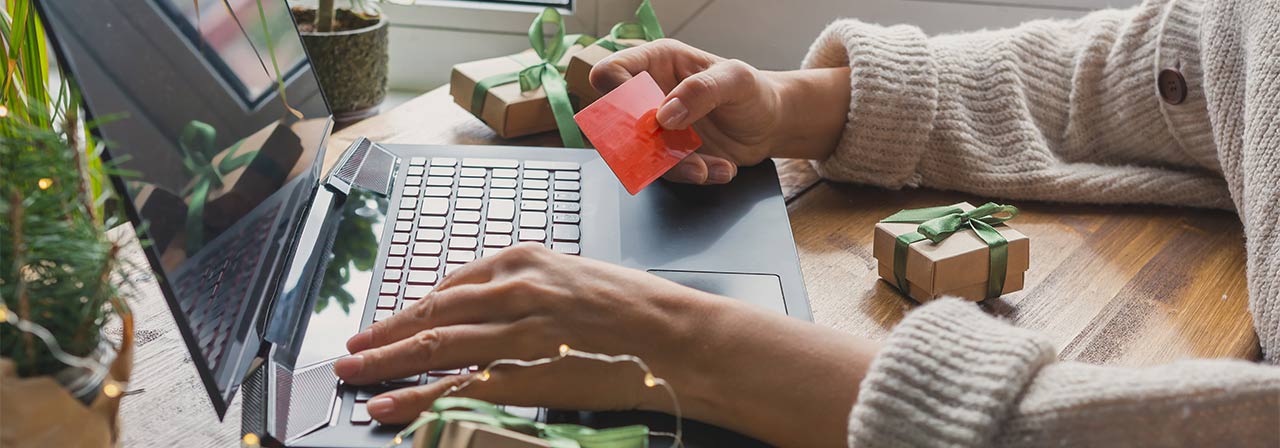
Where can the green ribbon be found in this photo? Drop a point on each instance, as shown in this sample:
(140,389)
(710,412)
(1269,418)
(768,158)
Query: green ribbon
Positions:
(645,27)
(544,73)
(559,435)
(939,223)
(197,142)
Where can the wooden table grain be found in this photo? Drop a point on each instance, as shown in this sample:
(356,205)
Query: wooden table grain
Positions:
(1109,285)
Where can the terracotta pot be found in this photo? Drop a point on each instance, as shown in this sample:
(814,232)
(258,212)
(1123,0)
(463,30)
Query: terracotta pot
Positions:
(351,63)
(40,412)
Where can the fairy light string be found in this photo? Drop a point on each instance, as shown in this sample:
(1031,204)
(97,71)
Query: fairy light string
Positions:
(565,352)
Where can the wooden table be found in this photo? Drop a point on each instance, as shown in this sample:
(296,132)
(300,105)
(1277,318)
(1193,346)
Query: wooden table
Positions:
(1108,285)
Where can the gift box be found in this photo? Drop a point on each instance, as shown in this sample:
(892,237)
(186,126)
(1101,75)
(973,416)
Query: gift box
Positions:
(465,434)
(578,74)
(951,250)
(507,109)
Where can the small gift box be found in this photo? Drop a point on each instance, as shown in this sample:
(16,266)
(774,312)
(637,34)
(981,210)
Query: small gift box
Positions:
(466,434)
(645,28)
(956,250)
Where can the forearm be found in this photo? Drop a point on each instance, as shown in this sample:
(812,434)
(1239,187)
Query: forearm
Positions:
(776,378)
(813,109)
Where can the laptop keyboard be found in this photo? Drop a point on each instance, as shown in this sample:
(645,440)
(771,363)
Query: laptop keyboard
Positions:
(453,211)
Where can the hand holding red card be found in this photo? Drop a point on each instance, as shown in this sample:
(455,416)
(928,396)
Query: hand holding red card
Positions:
(623,127)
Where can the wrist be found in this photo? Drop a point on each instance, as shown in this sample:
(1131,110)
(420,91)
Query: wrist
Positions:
(813,108)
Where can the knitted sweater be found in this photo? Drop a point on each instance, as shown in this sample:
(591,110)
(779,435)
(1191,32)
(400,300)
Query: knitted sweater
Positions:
(1069,110)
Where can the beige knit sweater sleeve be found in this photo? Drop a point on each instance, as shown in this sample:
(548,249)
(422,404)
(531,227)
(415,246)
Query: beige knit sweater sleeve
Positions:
(1069,111)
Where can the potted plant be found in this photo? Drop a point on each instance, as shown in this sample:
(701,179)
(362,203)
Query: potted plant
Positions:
(349,54)
(60,378)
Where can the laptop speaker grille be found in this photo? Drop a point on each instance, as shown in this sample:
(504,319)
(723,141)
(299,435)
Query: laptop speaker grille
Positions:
(368,166)
(310,400)
(351,166)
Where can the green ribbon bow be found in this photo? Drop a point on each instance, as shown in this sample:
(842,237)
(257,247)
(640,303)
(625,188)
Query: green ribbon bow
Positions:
(544,73)
(560,435)
(645,27)
(197,143)
(939,223)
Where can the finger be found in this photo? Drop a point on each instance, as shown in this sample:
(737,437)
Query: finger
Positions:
(460,305)
(667,60)
(691,170)
(441,348)
(404,405)
(699,94)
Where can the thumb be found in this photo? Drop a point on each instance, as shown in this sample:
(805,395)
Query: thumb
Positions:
(698,95)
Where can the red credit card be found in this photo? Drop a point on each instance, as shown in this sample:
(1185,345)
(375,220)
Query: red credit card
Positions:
(623,127)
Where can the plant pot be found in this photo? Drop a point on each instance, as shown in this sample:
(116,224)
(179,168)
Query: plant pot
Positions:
(350,62)
(74,408)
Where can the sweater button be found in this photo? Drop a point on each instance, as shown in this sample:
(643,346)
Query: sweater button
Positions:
(1173,87)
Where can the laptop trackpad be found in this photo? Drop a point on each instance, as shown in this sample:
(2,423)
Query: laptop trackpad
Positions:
(757,289)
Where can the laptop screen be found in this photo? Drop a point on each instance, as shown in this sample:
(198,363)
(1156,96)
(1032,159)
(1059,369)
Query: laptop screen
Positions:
(218,118)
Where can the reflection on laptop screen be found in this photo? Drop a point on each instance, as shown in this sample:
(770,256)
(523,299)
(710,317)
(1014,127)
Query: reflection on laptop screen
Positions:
(192,105)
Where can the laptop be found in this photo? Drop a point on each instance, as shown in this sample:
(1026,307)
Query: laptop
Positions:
(269,264)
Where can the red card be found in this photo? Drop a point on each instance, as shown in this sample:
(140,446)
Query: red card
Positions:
(624,128)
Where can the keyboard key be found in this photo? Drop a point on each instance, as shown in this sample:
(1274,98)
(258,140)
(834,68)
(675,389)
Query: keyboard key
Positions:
(470,192)
(405,215)
(381,315)
(536,195)
(399,249)
(564,232)
(400,238)
(533,235)
(424,263)
(435,206)
(365,393)
(437,181)
(546,165)
(537,206)
(567,185)
(465,229)
(536,174)
(475,182)
(387,302)
(408,203)
(502,183)
(443,171)
(534,185)
(411,192)
(567,196)
(415,171)
(467,204)
(412,379)
(392,275)
(501,210)
(404,226)
(505,174)
(414,292)
(502,193)
(462,242)
(431,222)
(431,235)
(422,277)
(490,163)
(490,251)
(461,256)
(395,262)
(497,240)
(439,192)
(451,268)
(443,161)
(472,217)
(473,172)
(389,289)
(426,249)
(360,414)
(418,161)
(566,248)
(568,207)
(568,175)
(413,181)
(533,220)
(498,227)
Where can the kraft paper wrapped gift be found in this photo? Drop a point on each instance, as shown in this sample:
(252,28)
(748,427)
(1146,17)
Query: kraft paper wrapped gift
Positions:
(957,266)
(505,108)
(578,74)
(465,434)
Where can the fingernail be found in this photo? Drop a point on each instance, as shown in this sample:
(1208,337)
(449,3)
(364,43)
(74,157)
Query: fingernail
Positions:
(672,113)
(349,366)
(719,174)
(381,406)
(692,173)
(359,342)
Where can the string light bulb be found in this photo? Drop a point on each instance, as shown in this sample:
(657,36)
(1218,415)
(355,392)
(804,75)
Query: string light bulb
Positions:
(564,349)
(251,440)
(44,183)
(111,389)
(4,313)
(484,375)
(649,380)
(397,440)
(4,111)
